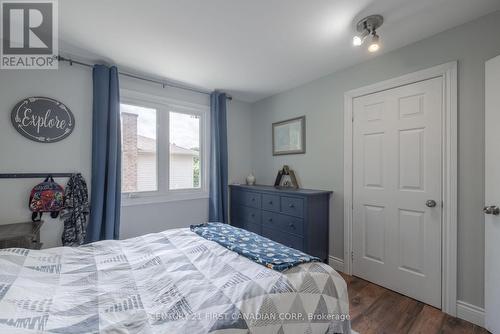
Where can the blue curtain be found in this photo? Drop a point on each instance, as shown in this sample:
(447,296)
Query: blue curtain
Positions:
(218,203)
(104,220)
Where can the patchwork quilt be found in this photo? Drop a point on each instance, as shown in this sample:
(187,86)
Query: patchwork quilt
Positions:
(169,282)
(253,246)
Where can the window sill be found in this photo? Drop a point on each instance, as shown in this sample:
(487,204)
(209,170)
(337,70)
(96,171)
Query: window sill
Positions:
(142,199)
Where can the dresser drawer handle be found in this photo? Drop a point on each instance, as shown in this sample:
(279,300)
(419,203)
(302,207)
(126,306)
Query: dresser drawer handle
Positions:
(253,199)
(252,215)
(270,202)
(291,206)
(269,219)
(291,225)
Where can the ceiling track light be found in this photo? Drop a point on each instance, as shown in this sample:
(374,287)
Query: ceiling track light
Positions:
(366,27)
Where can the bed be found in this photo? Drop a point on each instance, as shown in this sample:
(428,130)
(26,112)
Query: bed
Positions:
(169,282)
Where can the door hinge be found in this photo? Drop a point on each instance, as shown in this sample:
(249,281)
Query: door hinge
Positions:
(352,256)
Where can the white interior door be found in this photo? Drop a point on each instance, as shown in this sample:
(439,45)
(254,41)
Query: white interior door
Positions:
(492,196)
(397,189)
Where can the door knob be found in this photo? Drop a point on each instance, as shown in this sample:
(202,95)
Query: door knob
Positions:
(431,203)
(491,210)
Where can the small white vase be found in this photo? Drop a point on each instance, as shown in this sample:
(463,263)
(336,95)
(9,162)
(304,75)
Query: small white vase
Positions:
(250,179)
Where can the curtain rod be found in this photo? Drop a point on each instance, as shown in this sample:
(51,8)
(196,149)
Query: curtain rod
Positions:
(133,76)
(33,175)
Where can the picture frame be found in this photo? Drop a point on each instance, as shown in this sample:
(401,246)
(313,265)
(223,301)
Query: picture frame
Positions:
(289,136)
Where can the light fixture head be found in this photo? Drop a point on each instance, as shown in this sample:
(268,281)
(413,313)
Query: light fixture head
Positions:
(366,27)
(360,38)
(357,41)
(375,43)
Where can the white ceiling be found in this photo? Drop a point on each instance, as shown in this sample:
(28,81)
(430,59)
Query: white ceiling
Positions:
(250,48)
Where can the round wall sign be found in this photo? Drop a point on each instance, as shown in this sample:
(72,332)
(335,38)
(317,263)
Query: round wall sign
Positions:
(42,119)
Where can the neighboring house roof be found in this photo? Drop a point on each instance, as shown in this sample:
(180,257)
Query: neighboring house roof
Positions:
(174,149)
(148,145)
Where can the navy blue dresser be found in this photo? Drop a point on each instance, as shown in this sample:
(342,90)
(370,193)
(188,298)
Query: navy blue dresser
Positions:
(297,218)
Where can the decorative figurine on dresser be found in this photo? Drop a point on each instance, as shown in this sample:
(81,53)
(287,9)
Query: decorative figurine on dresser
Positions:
(298,218)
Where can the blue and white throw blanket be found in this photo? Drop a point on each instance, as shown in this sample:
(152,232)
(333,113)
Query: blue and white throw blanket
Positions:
(253,246)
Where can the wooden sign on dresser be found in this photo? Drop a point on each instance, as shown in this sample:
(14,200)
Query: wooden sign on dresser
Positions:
(298,218)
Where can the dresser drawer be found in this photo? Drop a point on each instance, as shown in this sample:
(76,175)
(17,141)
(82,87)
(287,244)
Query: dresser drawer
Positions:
(251,199)
(255,228)
(236,216)
(243,214)
(271,202)
(250,215)
(246,198)
(292,206)
(282,223)
(283,238)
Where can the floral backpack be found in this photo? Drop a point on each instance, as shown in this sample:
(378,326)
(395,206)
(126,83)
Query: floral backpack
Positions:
(47,196)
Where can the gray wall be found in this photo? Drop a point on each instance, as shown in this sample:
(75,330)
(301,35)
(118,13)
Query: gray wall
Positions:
(18,154)
(73,86)
(239,146)
(322,102)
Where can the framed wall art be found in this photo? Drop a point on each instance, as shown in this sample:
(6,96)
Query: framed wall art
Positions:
(289,137)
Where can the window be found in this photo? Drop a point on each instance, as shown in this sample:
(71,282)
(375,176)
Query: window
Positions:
(184,151)
(139,149)
(164,146)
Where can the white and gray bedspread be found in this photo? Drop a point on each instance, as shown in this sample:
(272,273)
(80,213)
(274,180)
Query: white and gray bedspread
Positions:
(168,282)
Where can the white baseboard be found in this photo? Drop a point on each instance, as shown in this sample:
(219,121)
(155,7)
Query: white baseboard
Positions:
(336,263)
(470,313)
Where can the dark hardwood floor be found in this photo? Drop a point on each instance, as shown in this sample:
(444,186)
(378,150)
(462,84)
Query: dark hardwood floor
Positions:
(375,309)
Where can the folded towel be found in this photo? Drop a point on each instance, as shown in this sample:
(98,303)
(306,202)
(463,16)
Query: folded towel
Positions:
(253,246)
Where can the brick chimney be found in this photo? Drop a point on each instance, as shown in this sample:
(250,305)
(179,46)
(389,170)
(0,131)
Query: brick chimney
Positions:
(129,152)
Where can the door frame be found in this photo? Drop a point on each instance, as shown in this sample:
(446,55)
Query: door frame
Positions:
(448,72)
